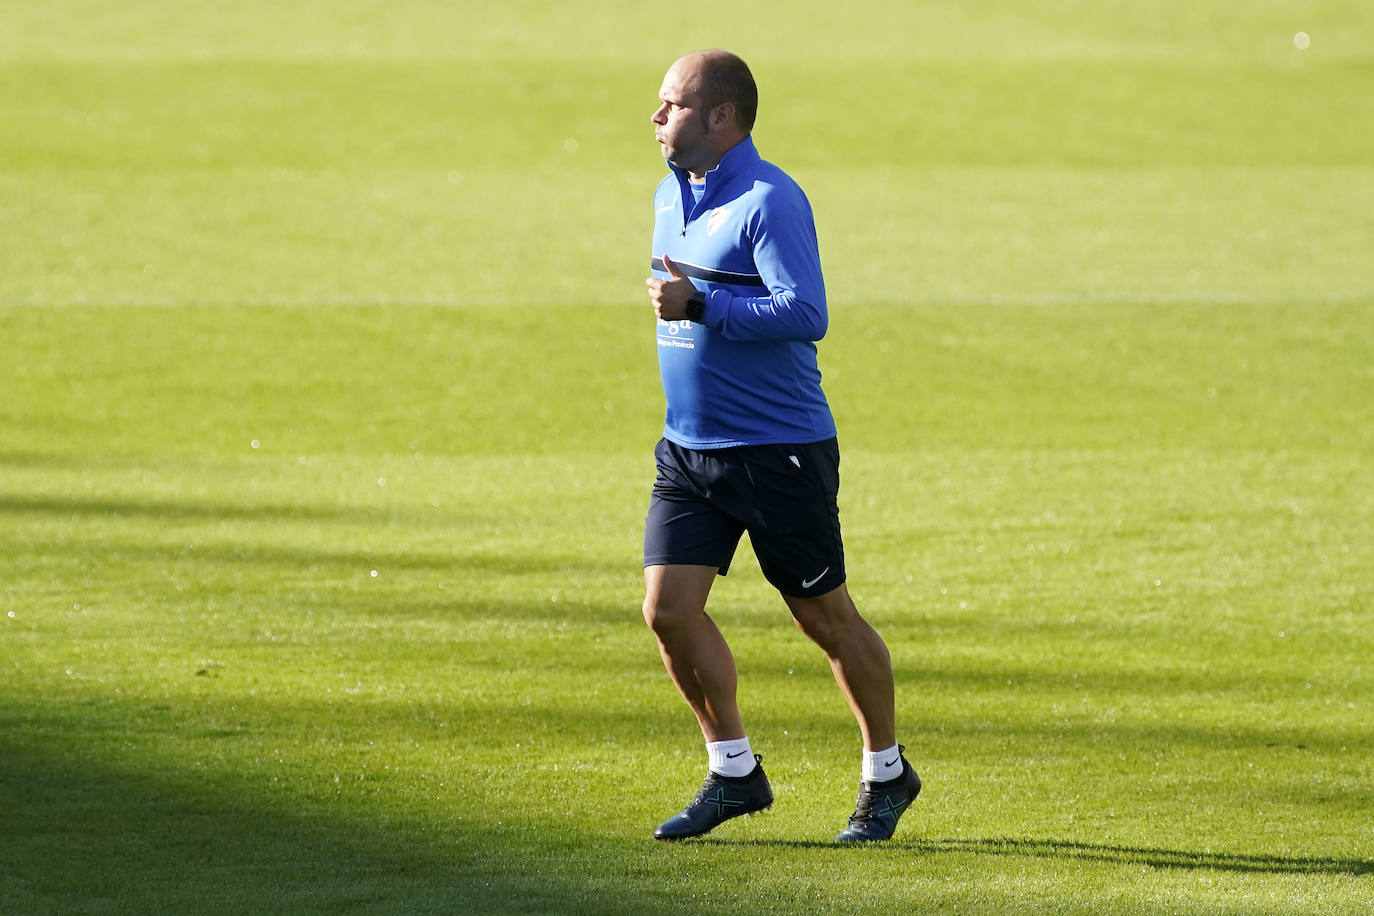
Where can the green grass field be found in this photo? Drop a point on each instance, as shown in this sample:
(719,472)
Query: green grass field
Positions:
(327,400)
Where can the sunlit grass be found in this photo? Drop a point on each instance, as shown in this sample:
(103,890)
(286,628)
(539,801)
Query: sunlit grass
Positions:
(327,398)
(399,637)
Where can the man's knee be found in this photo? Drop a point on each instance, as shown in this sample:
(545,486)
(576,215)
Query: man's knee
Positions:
(826,618)
(666,611)
(674,597)
(818,626)
(659,614)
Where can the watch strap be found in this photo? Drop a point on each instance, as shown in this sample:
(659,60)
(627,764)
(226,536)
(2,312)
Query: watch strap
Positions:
(696,306)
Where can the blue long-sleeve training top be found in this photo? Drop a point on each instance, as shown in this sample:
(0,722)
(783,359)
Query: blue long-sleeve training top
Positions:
(746,374)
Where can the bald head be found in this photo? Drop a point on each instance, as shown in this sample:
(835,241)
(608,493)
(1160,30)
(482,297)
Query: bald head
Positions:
(706,107)
(720,77)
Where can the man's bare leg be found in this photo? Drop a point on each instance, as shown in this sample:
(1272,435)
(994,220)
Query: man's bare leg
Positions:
(858,658)
(700,663)
(696,655)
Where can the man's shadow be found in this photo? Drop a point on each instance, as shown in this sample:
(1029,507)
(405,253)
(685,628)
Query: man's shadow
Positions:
(1094,852)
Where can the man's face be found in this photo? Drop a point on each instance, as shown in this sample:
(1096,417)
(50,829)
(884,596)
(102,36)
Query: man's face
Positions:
(680,122)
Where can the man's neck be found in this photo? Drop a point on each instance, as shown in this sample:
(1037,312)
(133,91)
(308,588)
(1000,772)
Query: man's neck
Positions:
(701,176)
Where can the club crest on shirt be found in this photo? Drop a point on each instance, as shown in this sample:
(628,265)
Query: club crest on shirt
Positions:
(716,219)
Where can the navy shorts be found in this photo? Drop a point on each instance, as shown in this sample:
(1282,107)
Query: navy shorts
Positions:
(785,496)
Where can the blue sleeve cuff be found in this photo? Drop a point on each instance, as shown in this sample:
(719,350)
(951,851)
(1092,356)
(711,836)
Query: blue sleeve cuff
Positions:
(717,307)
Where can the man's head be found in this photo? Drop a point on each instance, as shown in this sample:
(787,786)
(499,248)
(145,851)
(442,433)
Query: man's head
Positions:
(707,104)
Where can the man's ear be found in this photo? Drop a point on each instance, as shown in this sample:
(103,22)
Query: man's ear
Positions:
(723,116)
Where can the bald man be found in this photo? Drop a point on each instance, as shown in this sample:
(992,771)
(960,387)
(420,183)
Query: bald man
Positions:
(749,443)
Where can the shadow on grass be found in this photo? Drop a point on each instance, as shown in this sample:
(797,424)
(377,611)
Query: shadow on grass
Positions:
(1154,857)
(167,511)
(95,826)
(1095,852)
(86,835)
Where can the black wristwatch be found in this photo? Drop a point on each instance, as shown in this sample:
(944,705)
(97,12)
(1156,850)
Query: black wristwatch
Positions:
(696,306)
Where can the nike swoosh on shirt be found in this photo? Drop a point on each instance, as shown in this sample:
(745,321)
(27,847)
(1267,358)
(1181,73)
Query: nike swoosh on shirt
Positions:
(807,583)
(665,209)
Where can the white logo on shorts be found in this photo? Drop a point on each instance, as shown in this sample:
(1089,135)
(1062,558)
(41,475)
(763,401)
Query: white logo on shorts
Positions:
(807,583)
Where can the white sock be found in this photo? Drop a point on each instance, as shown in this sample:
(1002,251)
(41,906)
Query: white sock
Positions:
(880,766)
(730,758)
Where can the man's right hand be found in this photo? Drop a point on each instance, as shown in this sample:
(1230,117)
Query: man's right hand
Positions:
(670,296)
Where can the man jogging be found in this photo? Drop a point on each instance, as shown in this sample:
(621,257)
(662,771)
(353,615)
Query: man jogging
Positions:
(749,443)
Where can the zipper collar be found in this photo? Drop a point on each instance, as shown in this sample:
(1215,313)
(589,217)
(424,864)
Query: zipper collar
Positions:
(736,159)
